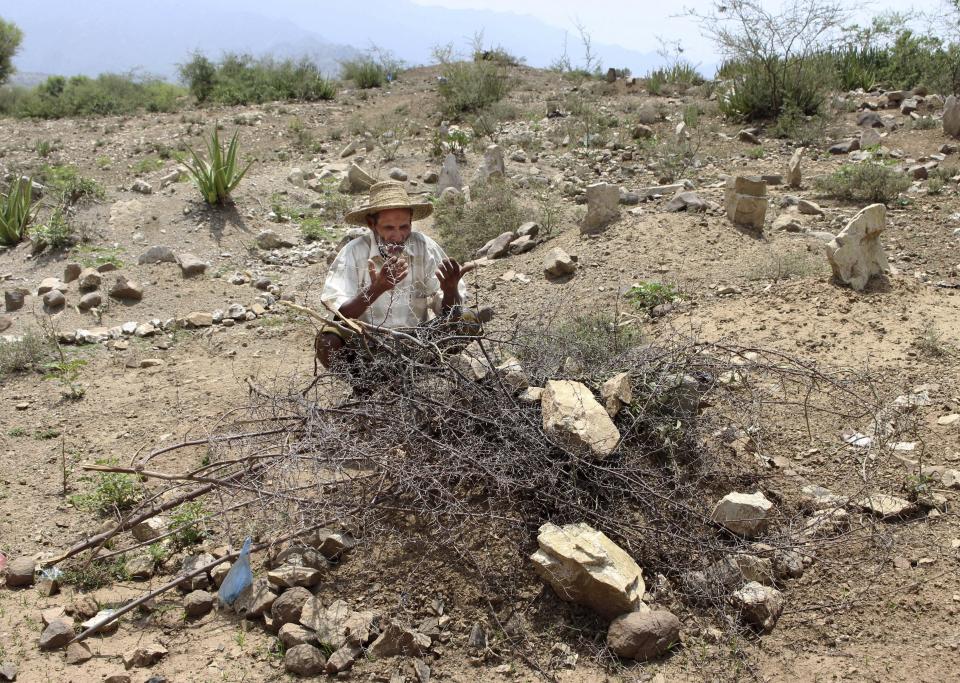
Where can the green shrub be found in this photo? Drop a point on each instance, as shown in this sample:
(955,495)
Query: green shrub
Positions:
(16,211)
(113,492)
(242,79)
(56,233)
(71,187)
(96,574)
(469,86)
(28,352)
(648,295)
(364,72)
(498,55)
(186,523)
(865,182)
(763,89)
(105,95)
(220,175)
(593,340)
(463,228)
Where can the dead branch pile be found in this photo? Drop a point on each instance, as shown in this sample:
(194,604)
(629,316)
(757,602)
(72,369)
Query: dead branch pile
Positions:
(437,455)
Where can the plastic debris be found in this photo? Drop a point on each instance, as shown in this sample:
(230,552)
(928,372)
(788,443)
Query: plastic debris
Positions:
(239,577)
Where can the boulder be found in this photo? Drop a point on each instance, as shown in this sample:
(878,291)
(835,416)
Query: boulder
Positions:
(558,263)
(199,319)
(5,323)
(794,175)
(89,279)
(13,299)
(759,605)
(126,289)
(748,136)
(869,119)
(528,229)
(951,116)
(396,640)
(197,603)
(397,174)
(572,416)
(20,572)
(603,207)
(287,608)
(746,202)
(617,392)
(745,514)
(49,284)
(643,635)
(885,506)
(356,180)
(449,175)
(343,659)
(71,272)
(142,186)
(492,165)
(89,300)
(845,146)
(54,299)
(157,254)
(192,266)
(687,201)
(56,635)
(870,138)
(584,566)
(641,132)
(292,635)
(289,576)
(270,239)
(499,245)
(78,653)
(304,660)
(856,254)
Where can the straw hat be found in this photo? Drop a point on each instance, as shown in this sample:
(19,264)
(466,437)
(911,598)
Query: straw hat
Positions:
(388,195)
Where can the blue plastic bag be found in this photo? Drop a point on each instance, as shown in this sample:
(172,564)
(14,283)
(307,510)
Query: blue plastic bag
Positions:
(239,577)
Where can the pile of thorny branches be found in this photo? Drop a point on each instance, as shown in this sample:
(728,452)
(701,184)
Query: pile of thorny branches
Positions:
(427,448)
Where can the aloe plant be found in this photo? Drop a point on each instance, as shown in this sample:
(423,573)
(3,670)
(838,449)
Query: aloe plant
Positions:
(217,177)
(16,211)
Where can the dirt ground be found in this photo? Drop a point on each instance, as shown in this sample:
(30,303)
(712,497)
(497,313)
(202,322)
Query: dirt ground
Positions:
(871,617)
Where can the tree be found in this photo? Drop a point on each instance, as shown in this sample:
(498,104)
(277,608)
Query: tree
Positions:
(10,39)
(773,52)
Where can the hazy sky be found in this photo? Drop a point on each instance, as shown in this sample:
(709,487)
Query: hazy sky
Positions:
(637,24)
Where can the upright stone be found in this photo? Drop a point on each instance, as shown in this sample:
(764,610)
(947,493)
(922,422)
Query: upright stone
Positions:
(603,207)
(856,254)
(746,200)
(793,168)
(951,117)
(584,566)
(492,166)
(449,175)
(574,417)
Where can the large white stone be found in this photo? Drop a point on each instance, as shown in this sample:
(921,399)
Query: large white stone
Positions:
(449,175)
(794,175)
(743,513)
(584,566)
(856,254)
(759,605)
(572,416)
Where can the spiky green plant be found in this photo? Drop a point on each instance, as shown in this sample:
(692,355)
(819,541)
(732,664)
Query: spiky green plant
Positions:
(16,211)
(217,177)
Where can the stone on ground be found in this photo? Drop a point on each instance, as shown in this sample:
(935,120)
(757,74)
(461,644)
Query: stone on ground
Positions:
(759,605)
(951,116)
(884,505)
(643,635)
(343,659)
(56,635)
(617,392)
(270,239)
(78,653)
(603,207)
(20,572)
(745,514)
(449,175)
(144,656)
(292,635)
(192,266)
(746,202)
(304,660)
(157,254)
(572,416)
(687,201)
(584,566)
(126,289)
(856,255)
(558,263)
(287,608)
(197,603)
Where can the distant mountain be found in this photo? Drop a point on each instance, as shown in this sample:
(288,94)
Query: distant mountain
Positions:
(152,38)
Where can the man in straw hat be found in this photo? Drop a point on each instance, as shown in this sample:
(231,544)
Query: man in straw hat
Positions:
(393,276)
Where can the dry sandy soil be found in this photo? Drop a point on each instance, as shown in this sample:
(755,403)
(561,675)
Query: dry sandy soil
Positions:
(875,616)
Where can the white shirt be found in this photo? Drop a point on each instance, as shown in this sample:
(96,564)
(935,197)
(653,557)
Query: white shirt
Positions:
(416,299)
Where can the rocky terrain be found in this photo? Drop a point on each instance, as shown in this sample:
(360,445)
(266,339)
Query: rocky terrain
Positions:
(167,311)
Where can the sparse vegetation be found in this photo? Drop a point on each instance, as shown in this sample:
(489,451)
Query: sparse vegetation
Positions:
(866,181)
(28,352)
(648,295)
(186,523)
(113,493)
(464,228)
(16,211)
(469,86)
(220,174)
(55,233)
(244,79)
(105,95)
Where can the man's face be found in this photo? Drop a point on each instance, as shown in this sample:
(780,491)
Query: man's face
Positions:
(393,227)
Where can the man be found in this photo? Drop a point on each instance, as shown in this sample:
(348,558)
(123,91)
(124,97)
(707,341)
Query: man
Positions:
(393,276)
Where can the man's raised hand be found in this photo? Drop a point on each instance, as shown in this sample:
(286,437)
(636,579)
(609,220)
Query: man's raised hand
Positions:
(450,272)
(392,273)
